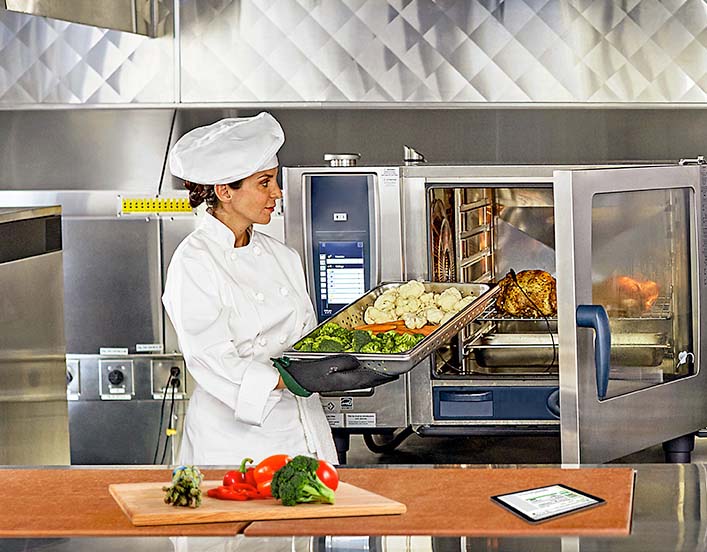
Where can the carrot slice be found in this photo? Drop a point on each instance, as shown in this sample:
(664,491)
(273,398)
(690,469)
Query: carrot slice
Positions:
(375,328)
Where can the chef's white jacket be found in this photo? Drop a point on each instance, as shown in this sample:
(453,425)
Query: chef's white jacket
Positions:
(234,308)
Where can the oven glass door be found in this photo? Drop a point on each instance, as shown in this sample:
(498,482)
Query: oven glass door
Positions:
(629,285)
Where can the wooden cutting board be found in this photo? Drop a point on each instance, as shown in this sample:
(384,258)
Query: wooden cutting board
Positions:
(143,503)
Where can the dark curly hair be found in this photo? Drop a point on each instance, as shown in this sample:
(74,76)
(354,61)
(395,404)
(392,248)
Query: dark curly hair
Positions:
(198,193)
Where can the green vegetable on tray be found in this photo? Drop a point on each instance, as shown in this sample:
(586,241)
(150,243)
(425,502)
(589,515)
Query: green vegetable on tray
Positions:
(185,488)
(332,338)
(297,482)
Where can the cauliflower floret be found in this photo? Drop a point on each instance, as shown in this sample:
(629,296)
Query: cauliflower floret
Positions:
(448,299)
(406,305)
(447,317)
(434,315)
(413,288)
(413,321)
(463,302)
(427,299)
(378,316)
(385,302)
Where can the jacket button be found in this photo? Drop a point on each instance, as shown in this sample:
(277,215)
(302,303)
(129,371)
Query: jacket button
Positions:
(234,255)
(263,342)
(256,250)
(284,291)
(283,339)
(259,297)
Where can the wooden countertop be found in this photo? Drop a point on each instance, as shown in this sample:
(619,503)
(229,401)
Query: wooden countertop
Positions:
(453,502)
(76,502)
(444,501)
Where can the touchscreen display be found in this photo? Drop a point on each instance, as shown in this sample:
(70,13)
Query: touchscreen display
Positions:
(341,274)
(546,502)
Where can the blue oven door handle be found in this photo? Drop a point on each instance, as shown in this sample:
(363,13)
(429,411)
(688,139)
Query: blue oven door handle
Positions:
(452,396)
(595,317)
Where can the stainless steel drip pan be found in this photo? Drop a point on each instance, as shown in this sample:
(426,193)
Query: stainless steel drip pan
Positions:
(399,363)
(521,350)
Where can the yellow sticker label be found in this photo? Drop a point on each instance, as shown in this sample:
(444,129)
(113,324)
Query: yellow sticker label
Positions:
(155,205)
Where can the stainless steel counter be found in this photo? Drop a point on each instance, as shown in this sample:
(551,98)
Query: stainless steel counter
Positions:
(670,513)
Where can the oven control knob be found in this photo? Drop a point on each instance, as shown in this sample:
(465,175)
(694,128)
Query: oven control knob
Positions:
(116,377)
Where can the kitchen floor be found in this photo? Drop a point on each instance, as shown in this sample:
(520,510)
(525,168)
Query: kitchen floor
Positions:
(490,450)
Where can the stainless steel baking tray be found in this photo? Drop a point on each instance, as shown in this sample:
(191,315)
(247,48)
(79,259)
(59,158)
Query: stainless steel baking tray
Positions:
(505,350)
(399,363)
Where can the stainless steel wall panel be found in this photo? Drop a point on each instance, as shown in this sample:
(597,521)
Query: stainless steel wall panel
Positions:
(475,136)
(83,149)
(426,51)
(119,432)
(50,61)
(112,284)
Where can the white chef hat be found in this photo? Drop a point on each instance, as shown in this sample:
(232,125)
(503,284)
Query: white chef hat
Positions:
(228,150)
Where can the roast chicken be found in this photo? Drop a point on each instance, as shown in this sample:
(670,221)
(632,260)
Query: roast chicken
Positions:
(529,293)
(626,296)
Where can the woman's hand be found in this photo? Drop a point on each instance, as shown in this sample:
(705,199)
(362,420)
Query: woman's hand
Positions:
(329,374)
(280,384)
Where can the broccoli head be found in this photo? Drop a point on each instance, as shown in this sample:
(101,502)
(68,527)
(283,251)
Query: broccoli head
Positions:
(406,341)
(360,338)
(328,344)
(375,345)
(305,345)
(297,482)
(331,329)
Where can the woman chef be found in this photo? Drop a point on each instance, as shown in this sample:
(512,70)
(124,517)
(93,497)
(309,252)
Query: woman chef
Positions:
(236,298)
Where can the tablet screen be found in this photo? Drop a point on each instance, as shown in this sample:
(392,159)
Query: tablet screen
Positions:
(546,502)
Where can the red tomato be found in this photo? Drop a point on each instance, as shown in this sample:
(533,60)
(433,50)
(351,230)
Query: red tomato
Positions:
(232,477)
(327,473)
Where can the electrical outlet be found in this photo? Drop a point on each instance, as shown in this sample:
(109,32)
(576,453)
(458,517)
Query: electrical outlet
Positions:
(116,380)
(160,375)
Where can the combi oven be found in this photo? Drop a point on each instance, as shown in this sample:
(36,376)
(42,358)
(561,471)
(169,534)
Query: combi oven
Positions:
(614,370)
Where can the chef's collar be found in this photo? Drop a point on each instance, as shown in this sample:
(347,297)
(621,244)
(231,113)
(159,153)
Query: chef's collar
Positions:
(221,233)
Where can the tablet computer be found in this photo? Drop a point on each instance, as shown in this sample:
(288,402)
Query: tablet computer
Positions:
(544,503)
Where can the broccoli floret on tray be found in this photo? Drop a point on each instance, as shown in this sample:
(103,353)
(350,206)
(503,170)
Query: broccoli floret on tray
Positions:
(332,338)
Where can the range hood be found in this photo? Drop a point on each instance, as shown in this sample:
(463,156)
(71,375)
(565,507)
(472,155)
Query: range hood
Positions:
(134,16)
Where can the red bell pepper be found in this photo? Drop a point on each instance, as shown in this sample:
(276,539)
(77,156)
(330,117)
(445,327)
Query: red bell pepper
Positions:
(241,475)
(265,470)
(249,472)
(226,493)
(238,491)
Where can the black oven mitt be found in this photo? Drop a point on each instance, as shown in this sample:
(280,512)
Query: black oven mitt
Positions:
(327,375)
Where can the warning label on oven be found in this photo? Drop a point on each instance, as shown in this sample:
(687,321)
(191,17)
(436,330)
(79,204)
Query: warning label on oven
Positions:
(335,419)
(361,420)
